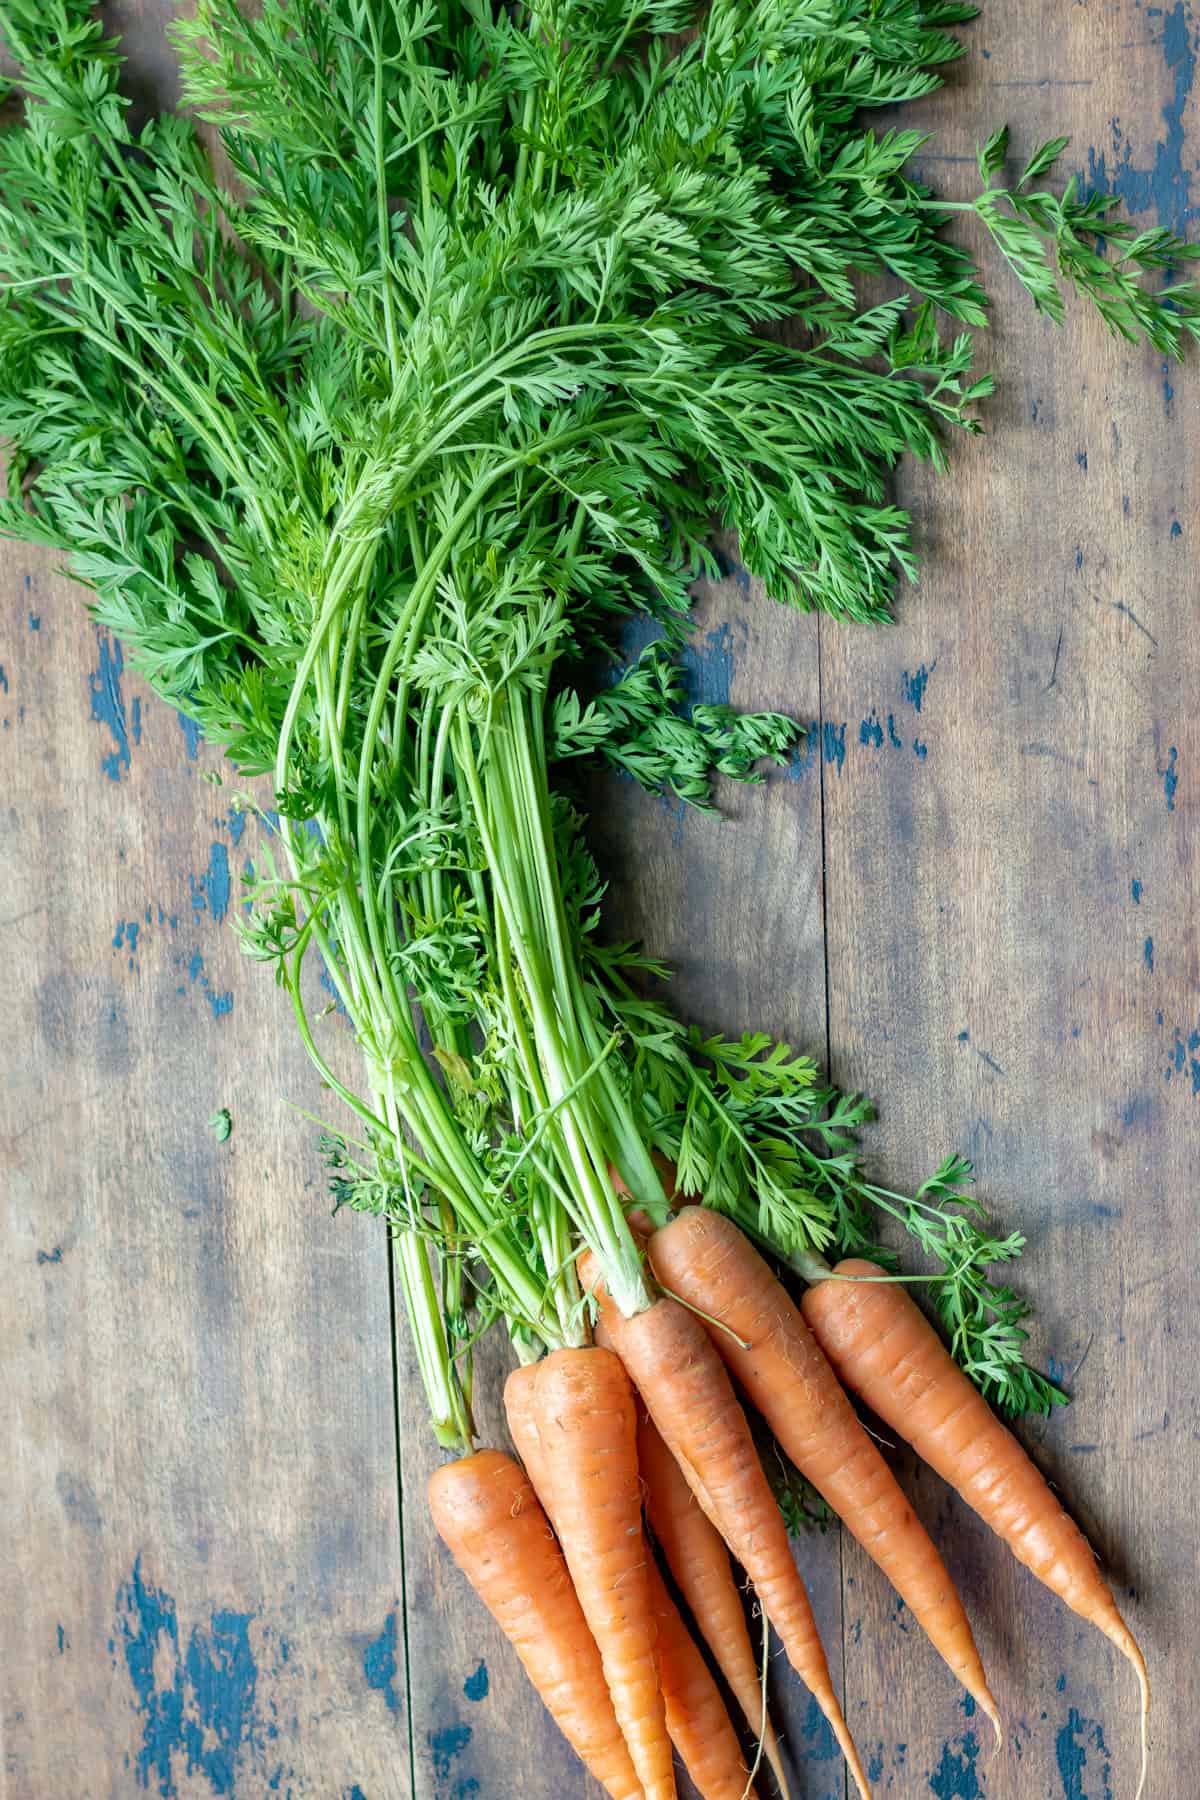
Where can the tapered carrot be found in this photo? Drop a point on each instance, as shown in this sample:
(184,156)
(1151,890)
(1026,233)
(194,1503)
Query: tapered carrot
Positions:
(689,1396)
(698,1560)
(696,1717)
(697,1722)
(587,1431)
(882,1346)
(489,1518)
(760,1334)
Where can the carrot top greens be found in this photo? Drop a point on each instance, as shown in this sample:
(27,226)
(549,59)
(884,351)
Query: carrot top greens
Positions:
(366,447)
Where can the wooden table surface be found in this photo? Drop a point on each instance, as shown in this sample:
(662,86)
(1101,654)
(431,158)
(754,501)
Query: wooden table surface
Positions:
(974,890)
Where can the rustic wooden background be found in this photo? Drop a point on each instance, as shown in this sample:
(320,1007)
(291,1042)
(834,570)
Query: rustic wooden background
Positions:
(974,890)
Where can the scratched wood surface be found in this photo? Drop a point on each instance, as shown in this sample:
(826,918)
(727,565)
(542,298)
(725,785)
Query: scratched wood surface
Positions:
(975,887)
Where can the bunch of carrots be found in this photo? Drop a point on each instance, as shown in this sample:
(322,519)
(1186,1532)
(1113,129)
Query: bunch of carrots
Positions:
(645,1424)
(365,452)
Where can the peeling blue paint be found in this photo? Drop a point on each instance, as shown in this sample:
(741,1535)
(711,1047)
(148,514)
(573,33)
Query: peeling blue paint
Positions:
(870,733)
(968,1705)
(475,1687)
(198,1701)
(1135,892)
(805,753)
(875,1765)
(50,1256)
(108,703)
(64,1642)
(913,686)
(220,1003)
(192,735)
(871,729)
(125,937)
(1081,1753)
(445,1745)
(1176,528)
(731,568)
(354,1792)
(379,1664)
(1081,459)
(710,665)
(833,744)
(1170,777)
(1148,955)
(817,1732)
(235,824)
(956,1776)
(35,621)
(212,889)
(3,680)
(1165,188)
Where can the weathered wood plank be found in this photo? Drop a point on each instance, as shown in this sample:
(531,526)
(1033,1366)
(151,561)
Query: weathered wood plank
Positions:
(257,1391)
(201,1569)
(1011,871)
(202,1539)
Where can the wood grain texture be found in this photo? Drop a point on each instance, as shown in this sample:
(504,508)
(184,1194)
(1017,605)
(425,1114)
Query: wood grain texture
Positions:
(1011,877)
(201,1545)
(985,856)
(200,1571)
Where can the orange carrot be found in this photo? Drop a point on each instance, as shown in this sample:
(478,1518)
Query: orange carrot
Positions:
(488,1516)
(696,1716)
(697,1722)
(587,1433)
(688,1394)
(883,1347)
(697,1558)
(520,1409)
(766,1344)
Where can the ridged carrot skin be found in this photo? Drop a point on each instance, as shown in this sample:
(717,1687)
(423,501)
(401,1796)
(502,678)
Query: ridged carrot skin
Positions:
(487,1514)
(778,1364)
(689,1396)
(883,1346)
(697,1722)
(698,1560)
(520,1409)
(587,1430)
(696,1717)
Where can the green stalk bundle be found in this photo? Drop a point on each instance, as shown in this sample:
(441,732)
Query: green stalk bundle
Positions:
(367,448)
